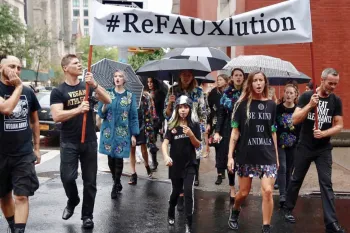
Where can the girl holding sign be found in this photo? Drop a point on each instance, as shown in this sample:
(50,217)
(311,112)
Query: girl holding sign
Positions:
(184,136)
(254,141)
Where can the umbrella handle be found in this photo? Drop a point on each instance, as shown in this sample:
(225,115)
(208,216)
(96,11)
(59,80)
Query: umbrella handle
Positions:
(83,130)
(314,80)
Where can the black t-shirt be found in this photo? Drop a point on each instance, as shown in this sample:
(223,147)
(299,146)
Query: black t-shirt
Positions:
(15,131)
(71,97)
(327,109)
(182,152)
(287,133)
(255,144)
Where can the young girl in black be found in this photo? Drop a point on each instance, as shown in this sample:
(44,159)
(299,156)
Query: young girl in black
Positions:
(184,136)
(253,146)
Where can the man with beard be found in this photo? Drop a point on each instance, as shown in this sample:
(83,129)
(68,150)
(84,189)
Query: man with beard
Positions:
(314,145)
(19,124)
(68,106)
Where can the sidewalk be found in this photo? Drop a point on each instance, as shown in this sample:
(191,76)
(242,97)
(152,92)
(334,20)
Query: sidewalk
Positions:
(208,175)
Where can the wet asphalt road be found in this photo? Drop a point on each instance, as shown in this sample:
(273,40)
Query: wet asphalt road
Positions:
(143,209)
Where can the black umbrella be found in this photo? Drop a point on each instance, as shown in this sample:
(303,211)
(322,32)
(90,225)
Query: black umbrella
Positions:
(171,68)
(283,80)
(212,58)
(207,79)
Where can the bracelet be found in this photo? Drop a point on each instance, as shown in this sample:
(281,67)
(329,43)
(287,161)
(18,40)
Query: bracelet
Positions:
(96,86)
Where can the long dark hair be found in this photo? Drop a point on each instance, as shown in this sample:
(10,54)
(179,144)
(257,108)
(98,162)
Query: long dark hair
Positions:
(237,69)
(155,84)
(175,122)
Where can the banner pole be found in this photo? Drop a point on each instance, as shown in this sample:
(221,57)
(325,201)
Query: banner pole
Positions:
(87,88)
(314,80)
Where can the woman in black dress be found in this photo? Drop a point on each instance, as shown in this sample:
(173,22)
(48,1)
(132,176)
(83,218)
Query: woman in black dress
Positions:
(223,126)
(214,104)
(184,136)
(253,146)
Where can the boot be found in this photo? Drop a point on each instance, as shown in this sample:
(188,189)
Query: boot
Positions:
(171,215)
(155,162)
(266,229)
(288,216)
(133,179)
(117,188)
(149,172)
(233,220)
(19,230)
(218,180)
(189,224)
(334,228)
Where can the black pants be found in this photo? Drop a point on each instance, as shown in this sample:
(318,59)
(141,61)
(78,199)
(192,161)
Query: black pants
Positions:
(286,159)
(185,185)
(197,169)
(116,166)
(70,155)
(323,161)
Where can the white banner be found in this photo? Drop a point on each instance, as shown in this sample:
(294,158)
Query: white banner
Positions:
(287,22)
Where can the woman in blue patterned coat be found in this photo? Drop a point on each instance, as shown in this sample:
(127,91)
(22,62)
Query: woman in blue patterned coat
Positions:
(119,128)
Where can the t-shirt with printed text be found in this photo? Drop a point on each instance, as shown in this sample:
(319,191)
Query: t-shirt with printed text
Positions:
(255,144)
(15,131)
(327,109)
(71,97)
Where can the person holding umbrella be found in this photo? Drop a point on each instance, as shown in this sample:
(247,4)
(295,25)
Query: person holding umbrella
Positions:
(188,86)
(253,146)
(119,128)
(223,129)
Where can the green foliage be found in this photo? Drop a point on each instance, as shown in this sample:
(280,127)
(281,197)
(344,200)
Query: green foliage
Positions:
(98,52)
(139,59)
(11,30)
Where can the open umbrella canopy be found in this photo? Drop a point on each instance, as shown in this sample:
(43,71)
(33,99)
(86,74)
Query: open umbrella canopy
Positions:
(271,66)
(207,79)
(212,58)
(167,69)
(104,70)
(281,81)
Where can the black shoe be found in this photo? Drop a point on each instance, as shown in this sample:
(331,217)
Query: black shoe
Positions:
(219,180)
(196,182)
(180,203)
(171,215)
(117,188)
(149,172)
(133,179)
(233,220)
(334,228)
(19,230)
(69,210)
(88,223)
(266,229)
(189,224)
(282,200)
(288,216)
(276,187)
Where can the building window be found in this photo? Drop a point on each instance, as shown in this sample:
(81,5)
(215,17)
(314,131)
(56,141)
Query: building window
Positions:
(86,13)
(86,3)
(76,12)
(76,3)
(86,31)
(86,22)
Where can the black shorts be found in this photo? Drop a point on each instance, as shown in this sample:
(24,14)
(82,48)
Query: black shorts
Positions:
(17,173)
(141,138)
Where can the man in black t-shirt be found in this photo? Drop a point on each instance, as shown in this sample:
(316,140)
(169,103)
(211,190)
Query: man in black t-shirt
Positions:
(19,125)
(68,106)
(314,145)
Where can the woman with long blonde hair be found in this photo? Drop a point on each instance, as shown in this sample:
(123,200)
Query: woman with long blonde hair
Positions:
(253,146)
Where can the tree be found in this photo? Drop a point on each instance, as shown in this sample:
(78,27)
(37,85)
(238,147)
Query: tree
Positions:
(11,30)
(99,52)
(139,59)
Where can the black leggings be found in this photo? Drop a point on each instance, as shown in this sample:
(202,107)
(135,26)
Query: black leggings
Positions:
(116,167)
(231,176)
(197,170)
(186,185)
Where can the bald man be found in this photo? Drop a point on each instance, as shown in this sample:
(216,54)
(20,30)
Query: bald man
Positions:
(19,125)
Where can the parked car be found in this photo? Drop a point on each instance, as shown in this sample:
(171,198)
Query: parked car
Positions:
(47,126)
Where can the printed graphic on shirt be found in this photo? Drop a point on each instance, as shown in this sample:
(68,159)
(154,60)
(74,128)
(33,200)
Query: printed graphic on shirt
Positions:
(76,97)
(17,121)
(260,129)
(322,111)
